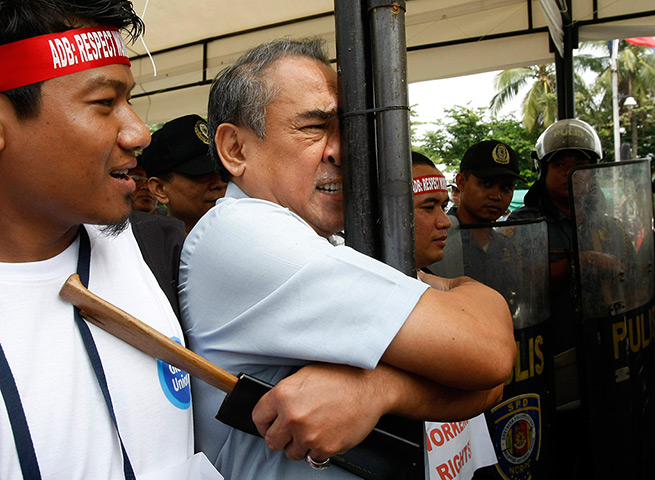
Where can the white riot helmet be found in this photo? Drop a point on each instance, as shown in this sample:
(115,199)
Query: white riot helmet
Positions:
(569,134)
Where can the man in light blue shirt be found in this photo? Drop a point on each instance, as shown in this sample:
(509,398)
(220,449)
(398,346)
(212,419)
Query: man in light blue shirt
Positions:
(264,292)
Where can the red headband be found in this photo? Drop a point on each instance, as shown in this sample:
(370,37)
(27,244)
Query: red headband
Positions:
(429,184)
(48,56)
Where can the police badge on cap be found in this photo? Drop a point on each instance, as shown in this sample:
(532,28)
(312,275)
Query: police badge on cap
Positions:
(490,158)
(500,154)
(202,131)
(181,146)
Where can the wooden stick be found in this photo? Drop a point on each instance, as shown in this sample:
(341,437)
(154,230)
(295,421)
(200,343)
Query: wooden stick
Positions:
(142,336)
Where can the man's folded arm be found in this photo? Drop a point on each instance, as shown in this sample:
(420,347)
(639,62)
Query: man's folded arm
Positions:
(462,337)
(327,409)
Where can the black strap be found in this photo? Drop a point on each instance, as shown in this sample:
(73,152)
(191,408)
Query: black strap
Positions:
(83,263)
(29,465)
(22,437)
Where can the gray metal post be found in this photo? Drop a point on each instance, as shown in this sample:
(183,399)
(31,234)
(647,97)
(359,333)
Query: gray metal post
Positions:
(395,195)
(357,126)
(564,68)
(389,59)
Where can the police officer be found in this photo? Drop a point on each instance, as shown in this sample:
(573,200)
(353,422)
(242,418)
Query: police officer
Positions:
(488,173)
(180,170)
(562,146)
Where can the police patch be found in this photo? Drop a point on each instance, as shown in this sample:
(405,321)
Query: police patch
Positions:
(500,154)
(517,440)
(202,131)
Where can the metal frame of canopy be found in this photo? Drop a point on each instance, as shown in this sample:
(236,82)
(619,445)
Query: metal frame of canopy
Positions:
(444,38)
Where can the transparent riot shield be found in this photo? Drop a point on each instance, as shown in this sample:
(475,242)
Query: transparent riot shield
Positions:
(612,212)
(512,258)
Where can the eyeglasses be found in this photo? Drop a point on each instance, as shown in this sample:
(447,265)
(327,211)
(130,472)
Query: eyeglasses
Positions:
(139,180)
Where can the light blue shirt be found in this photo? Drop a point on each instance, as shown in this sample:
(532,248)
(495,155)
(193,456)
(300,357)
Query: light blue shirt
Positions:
(262,293)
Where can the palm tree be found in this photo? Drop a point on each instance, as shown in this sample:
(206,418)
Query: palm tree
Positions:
(636,65)
(636,75)
(539,106)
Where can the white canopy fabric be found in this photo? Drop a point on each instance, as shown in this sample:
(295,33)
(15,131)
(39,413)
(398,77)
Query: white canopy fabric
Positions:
(192,41)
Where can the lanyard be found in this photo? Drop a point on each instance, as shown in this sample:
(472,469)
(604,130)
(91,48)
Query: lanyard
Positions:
(22,438)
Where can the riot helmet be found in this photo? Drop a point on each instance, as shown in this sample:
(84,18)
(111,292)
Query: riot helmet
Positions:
(568,134)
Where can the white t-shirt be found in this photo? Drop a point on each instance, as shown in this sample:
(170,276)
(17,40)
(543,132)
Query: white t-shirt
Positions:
(72,432)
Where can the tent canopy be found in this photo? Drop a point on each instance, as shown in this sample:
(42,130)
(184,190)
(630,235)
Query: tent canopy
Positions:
(191,42)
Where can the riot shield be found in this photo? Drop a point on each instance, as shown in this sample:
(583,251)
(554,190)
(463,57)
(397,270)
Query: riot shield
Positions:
(611,206)
(512,258)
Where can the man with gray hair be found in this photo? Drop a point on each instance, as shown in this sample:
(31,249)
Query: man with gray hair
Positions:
(345,337)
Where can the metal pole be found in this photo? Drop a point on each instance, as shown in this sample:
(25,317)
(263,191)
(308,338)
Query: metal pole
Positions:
(389,59)
(357,127)
(389,62)
(564,68)
(615,100)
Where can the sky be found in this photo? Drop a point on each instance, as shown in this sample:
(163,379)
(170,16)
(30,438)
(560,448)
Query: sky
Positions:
(430,99)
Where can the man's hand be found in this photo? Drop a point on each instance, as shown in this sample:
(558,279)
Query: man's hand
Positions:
(325,409)
(322,410)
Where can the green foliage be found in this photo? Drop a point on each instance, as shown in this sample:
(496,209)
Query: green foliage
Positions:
(643,119)
(540,101)
(464,126)
(447,143)
(636,78)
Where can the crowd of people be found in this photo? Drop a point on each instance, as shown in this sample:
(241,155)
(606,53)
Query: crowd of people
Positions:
(222,234)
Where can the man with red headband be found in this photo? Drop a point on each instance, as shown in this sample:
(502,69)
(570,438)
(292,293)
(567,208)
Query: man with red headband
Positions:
(77,403)
(468,440)
(431,223)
